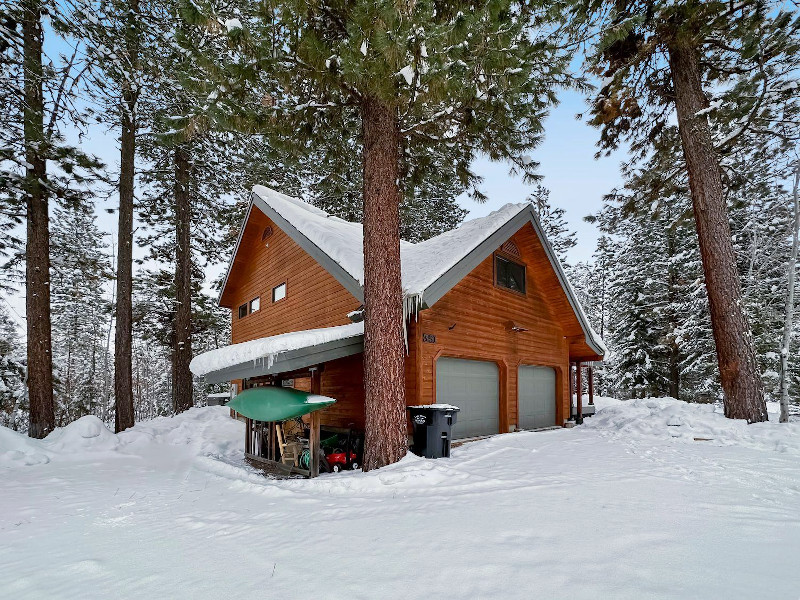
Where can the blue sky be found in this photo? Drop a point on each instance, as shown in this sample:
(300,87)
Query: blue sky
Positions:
(577,181)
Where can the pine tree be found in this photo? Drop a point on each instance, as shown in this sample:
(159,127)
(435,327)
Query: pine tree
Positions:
(428,86)
(13,401)
(80,273)
(39,166)
(555,227)
(661,56)
(122,38)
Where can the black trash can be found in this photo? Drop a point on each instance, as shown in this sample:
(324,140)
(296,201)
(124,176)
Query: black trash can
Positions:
(433,429)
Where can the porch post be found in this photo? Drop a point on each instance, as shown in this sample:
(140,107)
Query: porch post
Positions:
(578,394)
(571,389)
(591,385)
(313,438)
(313,445)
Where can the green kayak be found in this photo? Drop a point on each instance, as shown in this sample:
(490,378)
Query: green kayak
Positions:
(271,403)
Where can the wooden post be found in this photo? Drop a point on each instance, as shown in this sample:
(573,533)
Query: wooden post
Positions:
(313,445)
(578,394)
(591,385)
(571,390)
(313,438)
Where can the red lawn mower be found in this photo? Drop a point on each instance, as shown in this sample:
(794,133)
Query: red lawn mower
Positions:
(346,457)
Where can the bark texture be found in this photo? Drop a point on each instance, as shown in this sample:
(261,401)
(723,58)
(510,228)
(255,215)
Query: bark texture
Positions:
(123,337)
(182,340)
(739,374)
(384,350)
(37,251)
(788,316)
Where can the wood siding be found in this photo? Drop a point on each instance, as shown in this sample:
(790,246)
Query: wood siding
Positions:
(313,297)
(474,320)
(343,379)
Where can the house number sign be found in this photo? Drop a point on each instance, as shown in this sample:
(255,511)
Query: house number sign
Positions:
(428,338)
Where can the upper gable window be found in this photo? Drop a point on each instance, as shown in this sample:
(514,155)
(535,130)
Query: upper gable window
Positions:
(255,304)
(509,274)
(279,292)
(243,311)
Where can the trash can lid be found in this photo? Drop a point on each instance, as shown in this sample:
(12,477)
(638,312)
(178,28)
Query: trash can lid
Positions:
(433,407)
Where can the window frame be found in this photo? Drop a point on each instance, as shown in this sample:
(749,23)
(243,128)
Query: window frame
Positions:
(244,306)
(503,256)
(285,292)
(250,309)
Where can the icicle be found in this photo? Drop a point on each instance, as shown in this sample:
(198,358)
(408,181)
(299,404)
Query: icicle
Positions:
(410,307)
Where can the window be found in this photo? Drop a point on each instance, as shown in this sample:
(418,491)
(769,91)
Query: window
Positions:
(279,292)
(255,304)
(509,275)
(243,311)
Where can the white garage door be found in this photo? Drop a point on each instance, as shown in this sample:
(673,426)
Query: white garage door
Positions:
(537,397)
(473,386)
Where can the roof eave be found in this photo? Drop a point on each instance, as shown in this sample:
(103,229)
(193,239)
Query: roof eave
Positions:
(235,251)
(292,360)
(330,265)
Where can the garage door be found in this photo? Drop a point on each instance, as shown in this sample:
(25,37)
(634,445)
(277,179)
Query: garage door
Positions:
(473,386)
(537,397)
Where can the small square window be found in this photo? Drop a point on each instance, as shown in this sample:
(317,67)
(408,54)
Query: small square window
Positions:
(243,311)
(255,304)
(509,275)
(279,292)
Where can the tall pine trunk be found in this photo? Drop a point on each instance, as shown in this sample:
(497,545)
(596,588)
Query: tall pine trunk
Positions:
(738,369)
(384,350)
(37,251)
(788,316)
(182,340)
(123,338)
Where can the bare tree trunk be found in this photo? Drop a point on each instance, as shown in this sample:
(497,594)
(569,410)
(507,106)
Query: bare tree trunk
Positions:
(182,349)
(37,251)
(788,317)
(739,374)
(384,350)
(123,339)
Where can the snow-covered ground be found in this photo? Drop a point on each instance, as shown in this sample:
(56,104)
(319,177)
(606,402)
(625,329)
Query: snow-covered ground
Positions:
(650,498)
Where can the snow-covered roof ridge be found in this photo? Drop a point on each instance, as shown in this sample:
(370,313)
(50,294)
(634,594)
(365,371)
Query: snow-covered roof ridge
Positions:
(265,350)
(422,263)
(425,262)
(429,268)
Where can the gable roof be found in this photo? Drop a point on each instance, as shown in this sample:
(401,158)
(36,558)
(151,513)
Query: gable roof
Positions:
(429,269)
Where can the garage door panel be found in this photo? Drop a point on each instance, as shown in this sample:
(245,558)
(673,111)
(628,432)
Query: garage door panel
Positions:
(536,397)
(473,386)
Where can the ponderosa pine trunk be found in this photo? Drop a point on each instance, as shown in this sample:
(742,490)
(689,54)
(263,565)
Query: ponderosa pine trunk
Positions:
(123,336)
(788,315)
(182,339)
(37,250)
(738,369)
(386,438)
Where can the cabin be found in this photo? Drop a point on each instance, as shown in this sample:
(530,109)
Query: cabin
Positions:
(492,324)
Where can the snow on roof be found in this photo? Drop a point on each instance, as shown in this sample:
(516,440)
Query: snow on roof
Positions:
(422,263)
(264,350)
(425,262)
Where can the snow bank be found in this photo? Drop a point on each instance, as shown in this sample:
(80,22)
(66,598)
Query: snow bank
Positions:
(198,431)
(668,418)
(18,450)
(86,434)
(264,350)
